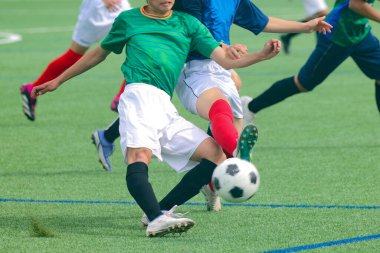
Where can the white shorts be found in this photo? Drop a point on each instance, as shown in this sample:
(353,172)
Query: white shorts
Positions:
(313,6)
(95,21)
(149,119)
(200,75)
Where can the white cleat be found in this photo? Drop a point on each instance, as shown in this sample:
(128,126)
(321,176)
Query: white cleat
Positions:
(144,219)
(212,199)
(248,116)
(165,224)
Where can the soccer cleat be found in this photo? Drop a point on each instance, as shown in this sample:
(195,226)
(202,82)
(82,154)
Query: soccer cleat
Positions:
(165,224)
(115,103)
(104,148)
(28,103)
(248,116)
(171,213)
(285,42)
(247,140)
(212,199)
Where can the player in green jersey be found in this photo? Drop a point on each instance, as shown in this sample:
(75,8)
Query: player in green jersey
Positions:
(156,42)
(350,37)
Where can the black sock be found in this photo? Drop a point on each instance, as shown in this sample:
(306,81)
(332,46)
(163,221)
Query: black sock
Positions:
(141,190)
(279,91)
(377,95)
(112,131)
(190,185)
(209,132)
(288,36)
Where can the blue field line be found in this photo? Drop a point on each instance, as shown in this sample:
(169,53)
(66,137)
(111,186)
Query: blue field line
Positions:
(68,201)
(326,244)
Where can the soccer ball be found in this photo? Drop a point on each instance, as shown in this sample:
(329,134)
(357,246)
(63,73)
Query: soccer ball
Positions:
(236,180)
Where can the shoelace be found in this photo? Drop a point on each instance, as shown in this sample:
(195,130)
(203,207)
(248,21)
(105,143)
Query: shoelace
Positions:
(173,214)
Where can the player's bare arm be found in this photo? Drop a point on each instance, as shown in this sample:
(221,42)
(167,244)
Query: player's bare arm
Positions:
(277,25)
(365,9)
(270,49)
(90,60)
(235,51)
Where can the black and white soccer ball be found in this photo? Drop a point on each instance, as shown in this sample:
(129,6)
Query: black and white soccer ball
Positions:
(236,180)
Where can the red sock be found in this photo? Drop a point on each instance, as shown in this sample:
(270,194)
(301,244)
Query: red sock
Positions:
(57,66)
(121,88)
(211,186)
(222,126)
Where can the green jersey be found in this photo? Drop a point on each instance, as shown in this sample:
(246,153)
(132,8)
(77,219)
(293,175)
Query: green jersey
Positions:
(156,49)
(349,27)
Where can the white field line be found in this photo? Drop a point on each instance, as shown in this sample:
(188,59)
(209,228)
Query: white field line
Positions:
(10,37)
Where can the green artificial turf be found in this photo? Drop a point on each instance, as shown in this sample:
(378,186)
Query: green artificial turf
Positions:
(318,154)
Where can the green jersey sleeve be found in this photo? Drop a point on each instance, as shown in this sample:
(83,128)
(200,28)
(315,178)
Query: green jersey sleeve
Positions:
(116,39)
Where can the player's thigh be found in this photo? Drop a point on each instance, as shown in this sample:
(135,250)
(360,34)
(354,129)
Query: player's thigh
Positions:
(202,82)
(325,58)
(195,79)
(236,79)
(367,56)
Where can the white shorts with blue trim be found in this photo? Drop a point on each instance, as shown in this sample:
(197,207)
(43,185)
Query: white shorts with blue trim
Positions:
(200,75)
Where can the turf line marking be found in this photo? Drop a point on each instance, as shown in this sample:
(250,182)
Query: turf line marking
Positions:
(326,244)
(68,201)
(302,206)
(7,38)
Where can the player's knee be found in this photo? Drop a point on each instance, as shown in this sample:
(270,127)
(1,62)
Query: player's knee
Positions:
(300,87)
(306,85)
(143,155)
(215,153)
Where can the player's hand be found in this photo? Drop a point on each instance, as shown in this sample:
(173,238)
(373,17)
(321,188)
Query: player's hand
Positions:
(43,88)
(112,5)
(318,24)
(236,51)
(271,49)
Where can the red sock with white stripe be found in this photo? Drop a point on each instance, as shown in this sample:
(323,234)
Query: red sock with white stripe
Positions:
(58,66)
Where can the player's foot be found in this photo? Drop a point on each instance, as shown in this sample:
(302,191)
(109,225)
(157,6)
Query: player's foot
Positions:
(28,103)
(165,224)
(247,140)
(248,116)
(171,213)
(115,103)
(212,199)
(104,148)
(285,43)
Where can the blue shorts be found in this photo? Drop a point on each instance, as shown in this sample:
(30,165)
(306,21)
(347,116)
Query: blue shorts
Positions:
(327,56)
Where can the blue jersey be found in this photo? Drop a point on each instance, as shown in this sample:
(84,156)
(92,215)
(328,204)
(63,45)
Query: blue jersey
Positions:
(219,15)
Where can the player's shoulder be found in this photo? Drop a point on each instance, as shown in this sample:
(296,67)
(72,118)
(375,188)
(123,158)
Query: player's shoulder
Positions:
(130,12)
(184,16)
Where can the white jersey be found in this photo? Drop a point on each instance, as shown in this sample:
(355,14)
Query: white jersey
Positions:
(314,6)
(95,21)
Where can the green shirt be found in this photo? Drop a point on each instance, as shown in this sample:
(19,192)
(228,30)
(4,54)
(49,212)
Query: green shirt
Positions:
(349,27)
(156,49)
